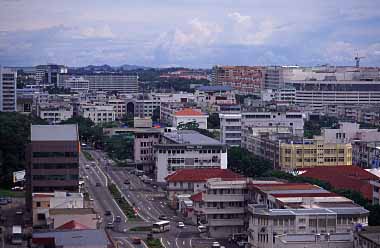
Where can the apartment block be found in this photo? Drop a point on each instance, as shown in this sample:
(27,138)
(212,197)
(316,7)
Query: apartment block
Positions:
(77,84)
(230,129)
(191,181)
(121,83)
(294,120)
(244,79)
(7,90)
(55,112)
(187,149)
(375,192)
(221,207)
(119,106)
(314,152)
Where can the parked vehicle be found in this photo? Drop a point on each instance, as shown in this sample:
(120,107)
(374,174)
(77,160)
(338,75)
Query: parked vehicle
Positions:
(17,236)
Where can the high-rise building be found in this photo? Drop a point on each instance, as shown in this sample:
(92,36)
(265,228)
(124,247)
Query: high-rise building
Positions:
(53,159)
(7,90)
(49,74)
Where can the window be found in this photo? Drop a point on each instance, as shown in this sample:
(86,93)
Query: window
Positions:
(38,204)
(40,216)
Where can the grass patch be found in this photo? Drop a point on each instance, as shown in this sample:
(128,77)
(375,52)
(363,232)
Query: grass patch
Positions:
(87,155)
(10,193)
(154,243)
(141,229)
(121,201)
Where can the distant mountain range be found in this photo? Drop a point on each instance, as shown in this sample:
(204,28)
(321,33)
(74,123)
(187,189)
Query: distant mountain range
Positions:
(112,68)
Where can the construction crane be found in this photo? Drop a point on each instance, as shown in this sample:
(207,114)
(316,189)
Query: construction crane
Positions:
(357,59)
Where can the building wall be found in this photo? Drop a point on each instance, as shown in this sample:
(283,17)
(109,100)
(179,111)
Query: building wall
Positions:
(170,158)
(230,129)
(143,147)
(56,115)
(201,120)
(314,153)
(51,172)
(7,90)
(98,114)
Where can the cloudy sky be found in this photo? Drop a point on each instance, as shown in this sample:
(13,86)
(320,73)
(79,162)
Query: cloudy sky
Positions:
(193,33)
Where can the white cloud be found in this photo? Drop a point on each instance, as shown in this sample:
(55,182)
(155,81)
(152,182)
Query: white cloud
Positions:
(97,32)
(239,18)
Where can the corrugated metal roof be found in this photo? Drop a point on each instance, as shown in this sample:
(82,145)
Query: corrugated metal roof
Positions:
(190,137)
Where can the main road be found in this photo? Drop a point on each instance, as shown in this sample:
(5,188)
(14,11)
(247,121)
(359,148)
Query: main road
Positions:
(151,203)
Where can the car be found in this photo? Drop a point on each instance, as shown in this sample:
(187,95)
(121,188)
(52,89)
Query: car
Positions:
(136,241)
(127,182)
(109,225)
(202,229)
(19,212)
(107,213)
(180,224)
(3,201)
(97,184)
(163,217)
(87,166)
(118,219)
(154,186)
(18,188)
(215,244)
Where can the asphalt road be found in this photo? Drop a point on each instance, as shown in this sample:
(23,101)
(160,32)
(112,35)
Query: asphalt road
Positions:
(151,203)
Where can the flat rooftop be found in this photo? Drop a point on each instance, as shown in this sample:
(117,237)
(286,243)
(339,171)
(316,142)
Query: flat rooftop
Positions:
(190,137)
(67,132)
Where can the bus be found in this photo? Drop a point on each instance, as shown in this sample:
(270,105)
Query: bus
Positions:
(161,226)
(17,235)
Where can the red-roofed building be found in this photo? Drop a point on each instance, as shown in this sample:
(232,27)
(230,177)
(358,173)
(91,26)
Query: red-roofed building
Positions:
(343,177)
(189,181)
(190,115)
(72,225)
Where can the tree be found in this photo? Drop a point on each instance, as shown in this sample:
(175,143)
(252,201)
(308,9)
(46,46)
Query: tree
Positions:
(313,127)
(14,136)
(119,146)
(242,161)
(213,121)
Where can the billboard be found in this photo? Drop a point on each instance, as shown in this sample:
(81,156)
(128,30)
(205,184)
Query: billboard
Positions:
(18,176)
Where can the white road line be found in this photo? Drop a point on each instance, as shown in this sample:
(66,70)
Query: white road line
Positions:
(161,240)
(190,242)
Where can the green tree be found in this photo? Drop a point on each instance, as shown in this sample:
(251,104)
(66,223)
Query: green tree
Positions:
(242,161)
(119,146)
(213,121)
(14,137)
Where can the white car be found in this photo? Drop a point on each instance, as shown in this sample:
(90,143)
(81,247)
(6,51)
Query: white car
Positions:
(180,224)
(87,166)
(215,244)
(202,229)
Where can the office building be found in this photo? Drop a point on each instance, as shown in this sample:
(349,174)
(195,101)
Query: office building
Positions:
(230,129)
(49,75)
(208,96)
(55,112)
(119,107)
(187,149)
(52,160)
(7,90)
(98,113)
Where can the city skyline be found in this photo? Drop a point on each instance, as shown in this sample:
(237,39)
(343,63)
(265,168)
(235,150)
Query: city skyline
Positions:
(194,34)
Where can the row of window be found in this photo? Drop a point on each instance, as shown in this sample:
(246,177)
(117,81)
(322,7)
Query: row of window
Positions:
(183,151)
(55,166)
(55,177)
(54,154)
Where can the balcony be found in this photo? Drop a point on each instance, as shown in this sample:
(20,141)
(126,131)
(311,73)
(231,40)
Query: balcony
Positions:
(225,222)
(223,198)
(226,210)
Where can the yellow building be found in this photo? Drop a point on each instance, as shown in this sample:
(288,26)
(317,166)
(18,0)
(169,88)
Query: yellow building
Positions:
(314,152)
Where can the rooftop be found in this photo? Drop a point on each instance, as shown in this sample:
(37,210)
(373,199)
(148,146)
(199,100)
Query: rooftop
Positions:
(190,137)
(75,238)
(71,211)
(214,88)
(72,225)
(199,175)
(350,177)
(189,112)
(67,132)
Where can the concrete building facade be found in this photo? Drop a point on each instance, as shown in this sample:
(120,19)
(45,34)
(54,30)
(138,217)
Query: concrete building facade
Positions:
(8,90)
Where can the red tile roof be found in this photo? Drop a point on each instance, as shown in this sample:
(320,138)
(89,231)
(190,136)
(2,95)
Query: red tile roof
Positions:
(188,112)
(197,197)
(343,177)
(72,225)
(202,175)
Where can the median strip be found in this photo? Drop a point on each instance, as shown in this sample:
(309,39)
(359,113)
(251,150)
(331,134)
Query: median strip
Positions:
(154,243)
(88,156)
(122,202)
